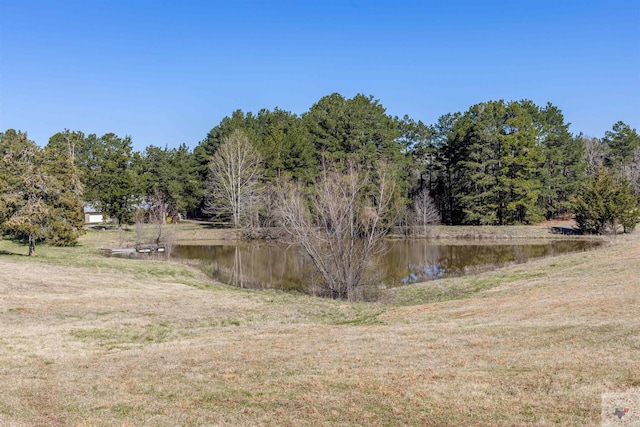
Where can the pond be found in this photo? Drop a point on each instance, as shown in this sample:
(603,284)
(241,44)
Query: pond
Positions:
(260,264)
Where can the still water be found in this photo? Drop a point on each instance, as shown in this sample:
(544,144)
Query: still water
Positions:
(273,265)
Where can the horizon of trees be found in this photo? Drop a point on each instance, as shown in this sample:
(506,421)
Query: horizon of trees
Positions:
(496,163)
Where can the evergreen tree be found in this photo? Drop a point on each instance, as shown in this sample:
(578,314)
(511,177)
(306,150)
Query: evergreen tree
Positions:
(606,202)
(478,163)
(352,129)
(38,194)
(493,166)
(169,176)
(204,151)
(326,122)
(564,166)
(357,130)
(417,139)
(190,191)
(448,138)
(67,209)
(622,141)
(285,146)
(24,212)
(106,167)
(70,144)
(521,162)
(209,145)
(623,149)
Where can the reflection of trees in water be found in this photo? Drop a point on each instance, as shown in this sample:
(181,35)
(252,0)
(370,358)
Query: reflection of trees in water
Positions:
(271,265)
(423,273)
(412,261)
(415,261)
(261,265)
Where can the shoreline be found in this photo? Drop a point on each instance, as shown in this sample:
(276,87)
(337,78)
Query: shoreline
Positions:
(198,231)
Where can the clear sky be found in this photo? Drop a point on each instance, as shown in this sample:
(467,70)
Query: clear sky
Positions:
(166,72)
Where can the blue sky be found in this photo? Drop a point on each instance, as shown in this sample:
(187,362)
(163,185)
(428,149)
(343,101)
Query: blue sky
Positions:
(166,72)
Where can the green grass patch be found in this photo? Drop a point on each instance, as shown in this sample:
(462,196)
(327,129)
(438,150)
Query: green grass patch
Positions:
(127,334)
(365,319)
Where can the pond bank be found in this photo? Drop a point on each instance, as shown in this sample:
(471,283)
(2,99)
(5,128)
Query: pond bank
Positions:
(555,229)
(197,231)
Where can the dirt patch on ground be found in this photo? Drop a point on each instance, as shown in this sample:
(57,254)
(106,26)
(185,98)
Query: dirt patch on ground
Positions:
(564,223)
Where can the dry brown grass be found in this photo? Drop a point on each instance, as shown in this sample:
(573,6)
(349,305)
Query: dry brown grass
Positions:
(89,341)
(520,232)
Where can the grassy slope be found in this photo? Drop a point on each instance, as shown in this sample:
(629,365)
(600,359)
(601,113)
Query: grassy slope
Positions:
(87,340)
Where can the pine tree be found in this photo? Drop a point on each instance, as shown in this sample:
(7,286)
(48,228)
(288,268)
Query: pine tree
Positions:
(209,145)
(622,141)
(448,139)
(285,146)
(352,129)
(493,166)
(521,160)
(478,163)
(564,166)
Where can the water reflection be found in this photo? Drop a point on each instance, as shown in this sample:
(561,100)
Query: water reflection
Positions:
(272,265)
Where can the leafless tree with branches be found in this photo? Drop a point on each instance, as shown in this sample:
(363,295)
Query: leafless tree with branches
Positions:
(425,211)
(594,154)
(632,171)
(341,224)
(234,177)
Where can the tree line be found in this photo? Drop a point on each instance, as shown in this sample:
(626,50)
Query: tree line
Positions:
(497,163)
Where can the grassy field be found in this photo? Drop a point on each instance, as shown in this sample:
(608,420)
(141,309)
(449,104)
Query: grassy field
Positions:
(87,340)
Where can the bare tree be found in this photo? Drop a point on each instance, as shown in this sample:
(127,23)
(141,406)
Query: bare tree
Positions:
(269,204)
(141,234)
(341,224)
(425,211)
(158,214)
(154,213)
(594,154)
(632,171)
(234,175)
